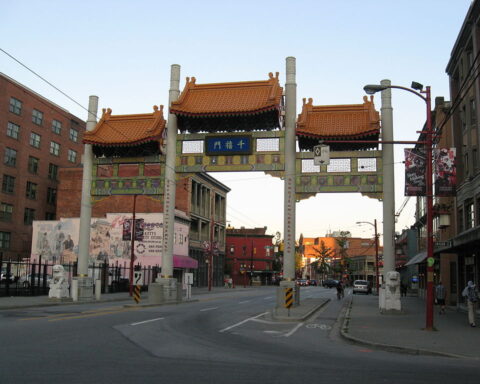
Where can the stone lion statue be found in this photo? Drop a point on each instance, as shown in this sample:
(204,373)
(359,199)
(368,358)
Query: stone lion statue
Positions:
(59,284)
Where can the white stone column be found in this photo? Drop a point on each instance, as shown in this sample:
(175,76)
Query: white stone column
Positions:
(388,199)
(84,284)
(166,289)
(289,188)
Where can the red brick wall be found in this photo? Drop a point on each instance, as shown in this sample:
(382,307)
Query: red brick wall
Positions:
(20,233)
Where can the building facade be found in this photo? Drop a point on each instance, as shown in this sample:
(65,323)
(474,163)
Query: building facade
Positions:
(462,70)
(37,139)
(250,255)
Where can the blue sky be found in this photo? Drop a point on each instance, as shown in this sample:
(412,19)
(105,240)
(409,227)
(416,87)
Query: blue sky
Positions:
(122,52)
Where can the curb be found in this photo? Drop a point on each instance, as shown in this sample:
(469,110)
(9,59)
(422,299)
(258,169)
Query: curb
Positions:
(302,317)
(391,347)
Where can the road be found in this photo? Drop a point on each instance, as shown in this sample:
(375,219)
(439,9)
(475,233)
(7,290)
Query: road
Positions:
(225,337)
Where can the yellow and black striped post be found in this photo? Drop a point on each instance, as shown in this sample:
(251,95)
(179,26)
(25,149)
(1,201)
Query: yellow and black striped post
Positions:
(288,298)
(136,294)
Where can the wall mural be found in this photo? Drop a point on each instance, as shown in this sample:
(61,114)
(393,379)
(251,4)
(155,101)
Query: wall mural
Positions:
(57,241)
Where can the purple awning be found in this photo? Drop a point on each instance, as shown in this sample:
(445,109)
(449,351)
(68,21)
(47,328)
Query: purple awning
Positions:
(184,262)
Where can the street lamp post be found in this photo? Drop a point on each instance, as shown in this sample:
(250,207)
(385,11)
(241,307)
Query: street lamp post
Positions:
(374,224)
(417,89)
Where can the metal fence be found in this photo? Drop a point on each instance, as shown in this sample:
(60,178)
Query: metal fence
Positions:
(20,278)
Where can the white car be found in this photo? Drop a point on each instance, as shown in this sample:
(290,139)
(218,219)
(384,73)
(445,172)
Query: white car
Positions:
(362,286)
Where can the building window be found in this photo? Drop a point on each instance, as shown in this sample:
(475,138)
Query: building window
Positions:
(6,211)
(52,171)
(28,216)
(469,214)
(73,135)
(51,196)
(15,106)
(473,111)
(33,165)
(13,130)
(37,117)
(54,148)
(10,158)
(49,216)
(5,240)
(31,191)
(460,220)
(56,127)
(35,140)
(466,165)
(72,156)
(8,184)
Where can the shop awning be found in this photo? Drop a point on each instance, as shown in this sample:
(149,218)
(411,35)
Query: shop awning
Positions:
(184,262)
(418,258)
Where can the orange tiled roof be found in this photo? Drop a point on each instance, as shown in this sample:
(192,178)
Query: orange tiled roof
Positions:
(222,99)
(352,121)
(127,130)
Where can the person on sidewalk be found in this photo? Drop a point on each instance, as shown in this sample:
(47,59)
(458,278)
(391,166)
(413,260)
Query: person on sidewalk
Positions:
(471,295)
(441,295)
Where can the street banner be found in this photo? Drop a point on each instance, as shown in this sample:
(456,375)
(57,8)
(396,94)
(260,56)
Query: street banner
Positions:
(127,230)
(415,181)
(139,227)
(445,171)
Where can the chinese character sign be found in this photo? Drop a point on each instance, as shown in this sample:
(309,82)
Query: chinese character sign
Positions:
(415,181)
(445,171)
(228,145)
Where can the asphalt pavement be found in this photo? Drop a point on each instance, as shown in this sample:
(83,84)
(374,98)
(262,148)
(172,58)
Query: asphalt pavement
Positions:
(362,322)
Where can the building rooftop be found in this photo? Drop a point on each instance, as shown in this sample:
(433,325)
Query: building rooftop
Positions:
(127,130)
(228,99)
(337,122)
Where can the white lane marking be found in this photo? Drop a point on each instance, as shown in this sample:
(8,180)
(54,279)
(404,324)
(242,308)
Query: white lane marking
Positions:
(265,321)
(148,321)
(293,330)
(268,297)
(244,301)
(242,322)
(208,309)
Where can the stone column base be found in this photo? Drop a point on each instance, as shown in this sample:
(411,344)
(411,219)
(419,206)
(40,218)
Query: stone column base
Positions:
(82,288)
(164,291)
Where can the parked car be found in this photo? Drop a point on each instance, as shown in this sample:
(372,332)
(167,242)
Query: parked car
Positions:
(330,283)
(302,282)
(3,277)
(362,286)
(26,281)
(312,282)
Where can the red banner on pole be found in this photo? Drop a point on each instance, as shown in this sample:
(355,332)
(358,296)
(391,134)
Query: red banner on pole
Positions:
(445,171)
(415,181)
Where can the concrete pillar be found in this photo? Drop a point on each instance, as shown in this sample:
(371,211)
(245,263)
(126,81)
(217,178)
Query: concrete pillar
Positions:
(83,285)
(166,289)
(289,187)
(388,199)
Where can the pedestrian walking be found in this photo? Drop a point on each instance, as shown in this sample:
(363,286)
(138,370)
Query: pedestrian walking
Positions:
(403,289)
(440,296)
(471,295)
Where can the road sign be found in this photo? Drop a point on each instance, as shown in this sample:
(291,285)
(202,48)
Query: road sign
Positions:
(288,297)
(321,155)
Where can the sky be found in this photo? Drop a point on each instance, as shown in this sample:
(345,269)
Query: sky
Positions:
(122,51)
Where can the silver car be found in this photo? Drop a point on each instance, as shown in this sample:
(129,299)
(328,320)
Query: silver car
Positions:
(362,286)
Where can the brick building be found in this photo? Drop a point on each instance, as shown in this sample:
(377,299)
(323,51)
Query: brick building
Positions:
(249,255)
(37,139)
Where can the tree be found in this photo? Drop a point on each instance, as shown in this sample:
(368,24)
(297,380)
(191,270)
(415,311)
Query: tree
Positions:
(322,254)
(342,242)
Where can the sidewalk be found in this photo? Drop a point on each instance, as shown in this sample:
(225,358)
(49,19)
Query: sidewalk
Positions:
(453,336)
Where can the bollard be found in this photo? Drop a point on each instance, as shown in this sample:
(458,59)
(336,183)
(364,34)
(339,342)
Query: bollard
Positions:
(98,289)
